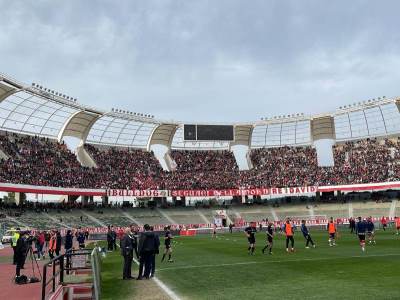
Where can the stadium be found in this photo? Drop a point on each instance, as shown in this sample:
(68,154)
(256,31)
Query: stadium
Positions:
(297,205)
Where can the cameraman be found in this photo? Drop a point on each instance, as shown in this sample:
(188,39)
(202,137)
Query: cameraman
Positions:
(20,252)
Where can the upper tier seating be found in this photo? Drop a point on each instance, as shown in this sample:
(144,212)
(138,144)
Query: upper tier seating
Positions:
(45,162)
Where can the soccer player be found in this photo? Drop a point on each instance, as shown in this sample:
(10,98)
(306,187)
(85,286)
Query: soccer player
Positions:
(371,231)
(288,230)
(214,234)
(397,220)
(331,227)
(361,228)
(251,237)
(270,238)
(167,242)
(306,234)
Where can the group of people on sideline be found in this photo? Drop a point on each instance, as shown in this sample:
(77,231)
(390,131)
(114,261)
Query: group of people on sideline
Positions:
(145,246)
(43,243)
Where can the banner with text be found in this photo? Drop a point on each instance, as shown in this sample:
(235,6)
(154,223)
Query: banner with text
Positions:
(214,193)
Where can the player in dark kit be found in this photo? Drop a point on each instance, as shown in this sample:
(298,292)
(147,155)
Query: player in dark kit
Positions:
(371,231)
(361,228)
(251,237)
(167,242)
(270,238)
(306,234)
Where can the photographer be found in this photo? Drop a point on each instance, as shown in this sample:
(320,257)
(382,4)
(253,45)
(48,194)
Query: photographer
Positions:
(20,252)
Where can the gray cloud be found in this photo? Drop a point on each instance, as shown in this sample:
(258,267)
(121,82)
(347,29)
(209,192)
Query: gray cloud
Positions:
(205,60)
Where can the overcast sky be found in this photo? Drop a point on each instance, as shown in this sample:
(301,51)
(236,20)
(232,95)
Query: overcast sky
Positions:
(210,61)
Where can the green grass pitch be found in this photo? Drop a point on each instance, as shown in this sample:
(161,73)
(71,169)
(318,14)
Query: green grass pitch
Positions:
(220,268)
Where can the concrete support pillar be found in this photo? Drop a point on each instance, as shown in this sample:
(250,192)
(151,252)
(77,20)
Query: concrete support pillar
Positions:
(19,198)
(104,200)
(171,164)
(339,195)
(85,200)
(84,157)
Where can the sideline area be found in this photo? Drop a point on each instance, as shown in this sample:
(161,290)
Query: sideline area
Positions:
(9,290)
(113,287)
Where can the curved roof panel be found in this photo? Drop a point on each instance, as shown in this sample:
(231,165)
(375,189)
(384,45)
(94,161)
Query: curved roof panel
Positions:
(281,134)
(25,112)
(116,131)
(369,122)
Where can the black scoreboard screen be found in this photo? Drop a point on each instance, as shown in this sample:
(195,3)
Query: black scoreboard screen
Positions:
(208,132)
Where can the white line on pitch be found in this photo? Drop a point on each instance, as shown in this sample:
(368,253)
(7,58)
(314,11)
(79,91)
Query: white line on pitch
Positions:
(276,261)
(165,288)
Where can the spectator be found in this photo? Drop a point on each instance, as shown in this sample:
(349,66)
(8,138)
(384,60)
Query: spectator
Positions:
(68,241)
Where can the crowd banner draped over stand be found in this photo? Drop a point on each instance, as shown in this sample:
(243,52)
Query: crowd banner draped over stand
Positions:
(214,193)
(284,191)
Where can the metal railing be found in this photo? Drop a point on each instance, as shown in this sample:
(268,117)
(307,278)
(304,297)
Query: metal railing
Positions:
(55,270)
(96,271)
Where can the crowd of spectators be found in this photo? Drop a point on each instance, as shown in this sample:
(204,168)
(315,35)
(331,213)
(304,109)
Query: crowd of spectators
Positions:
(44,162)
(41,161)
(281,167)
(126,168)
(363,161)
(202,170)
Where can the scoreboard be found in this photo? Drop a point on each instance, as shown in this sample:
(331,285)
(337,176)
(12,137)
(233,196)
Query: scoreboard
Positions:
(193,132)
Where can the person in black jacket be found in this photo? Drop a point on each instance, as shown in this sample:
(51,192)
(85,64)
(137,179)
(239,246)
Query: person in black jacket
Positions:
(58,243)
(109,239)
(134,235)
(68,242)
(156,252)
(21,250)
(114,239)
(147,248)
(127,253)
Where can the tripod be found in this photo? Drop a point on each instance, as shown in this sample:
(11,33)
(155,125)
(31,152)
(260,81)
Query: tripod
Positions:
(31,255)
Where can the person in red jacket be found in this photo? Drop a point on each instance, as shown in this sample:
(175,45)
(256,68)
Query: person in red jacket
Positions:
(40,244)
(397,221)
(384,223)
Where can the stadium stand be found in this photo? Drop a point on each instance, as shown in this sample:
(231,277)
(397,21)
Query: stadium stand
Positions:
(126,168)
(42,161)
(282,166)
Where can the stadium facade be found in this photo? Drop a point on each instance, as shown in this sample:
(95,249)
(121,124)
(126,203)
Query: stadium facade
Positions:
(34,110)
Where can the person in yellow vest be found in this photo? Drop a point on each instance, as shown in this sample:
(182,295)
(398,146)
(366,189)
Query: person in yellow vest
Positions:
(288,230)
(332,232)
(14,241)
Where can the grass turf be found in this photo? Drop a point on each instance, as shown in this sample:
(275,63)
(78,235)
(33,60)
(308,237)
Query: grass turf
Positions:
(207,268)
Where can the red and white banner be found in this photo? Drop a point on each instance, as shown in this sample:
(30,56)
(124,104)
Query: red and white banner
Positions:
(138,193)
(285,191)
(245,192)
(213,193)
